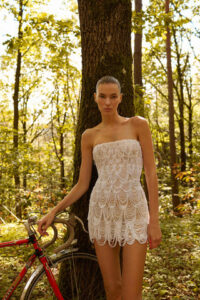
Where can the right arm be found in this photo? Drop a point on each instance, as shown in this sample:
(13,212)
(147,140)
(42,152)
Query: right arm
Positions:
(80,187)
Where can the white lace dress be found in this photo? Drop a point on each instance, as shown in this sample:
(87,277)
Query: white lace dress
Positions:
(118,209)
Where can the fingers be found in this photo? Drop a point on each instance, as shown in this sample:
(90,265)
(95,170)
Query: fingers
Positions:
(154,243)
(150,244)
(42,227)
(44,223)
(154,236)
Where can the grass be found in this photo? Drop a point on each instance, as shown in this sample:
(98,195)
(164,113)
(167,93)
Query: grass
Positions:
(172,271)
(12,259)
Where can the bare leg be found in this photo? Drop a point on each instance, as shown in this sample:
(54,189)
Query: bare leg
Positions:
(109,263)
(133,268)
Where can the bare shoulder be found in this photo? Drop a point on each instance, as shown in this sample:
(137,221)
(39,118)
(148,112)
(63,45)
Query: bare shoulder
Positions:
(87,133)
(88,136)
(139,121)
(140,124)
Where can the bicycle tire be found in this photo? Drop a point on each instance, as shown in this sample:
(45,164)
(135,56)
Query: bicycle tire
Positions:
(77,287)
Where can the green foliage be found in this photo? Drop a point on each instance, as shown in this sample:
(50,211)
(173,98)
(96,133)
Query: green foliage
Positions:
(190,197)
(171,270)
(13,259)
(46,44)
(48,108)
(155,78)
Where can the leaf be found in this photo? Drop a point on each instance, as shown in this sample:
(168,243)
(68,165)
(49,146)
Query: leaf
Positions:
(163,292)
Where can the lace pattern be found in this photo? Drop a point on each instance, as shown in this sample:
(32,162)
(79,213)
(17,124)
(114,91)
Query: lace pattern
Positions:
(118,210)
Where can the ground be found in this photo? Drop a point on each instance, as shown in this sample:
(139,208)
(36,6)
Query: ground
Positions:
(172,271)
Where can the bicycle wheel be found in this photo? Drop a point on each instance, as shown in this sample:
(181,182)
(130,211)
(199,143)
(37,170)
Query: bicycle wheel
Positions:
(84,279)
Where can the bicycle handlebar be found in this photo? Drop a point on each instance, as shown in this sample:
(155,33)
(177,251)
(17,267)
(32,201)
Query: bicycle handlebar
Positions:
(33,221)
(70,226)
(70,223)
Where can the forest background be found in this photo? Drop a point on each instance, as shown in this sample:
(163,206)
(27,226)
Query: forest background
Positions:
(40,96)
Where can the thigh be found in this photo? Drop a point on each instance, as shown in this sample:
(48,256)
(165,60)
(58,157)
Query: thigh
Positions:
(109,262)
(132,270)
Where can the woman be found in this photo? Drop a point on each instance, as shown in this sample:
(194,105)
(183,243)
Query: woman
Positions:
(118,211)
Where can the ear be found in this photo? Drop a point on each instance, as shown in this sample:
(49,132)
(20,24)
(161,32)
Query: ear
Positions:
(121,95)
(95,97)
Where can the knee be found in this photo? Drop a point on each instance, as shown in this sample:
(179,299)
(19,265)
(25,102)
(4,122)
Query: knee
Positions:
(114,290)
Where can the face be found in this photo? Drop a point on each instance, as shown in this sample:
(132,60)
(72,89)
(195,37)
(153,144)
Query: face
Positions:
(108,98)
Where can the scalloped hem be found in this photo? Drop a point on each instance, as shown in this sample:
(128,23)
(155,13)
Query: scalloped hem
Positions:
(113,243)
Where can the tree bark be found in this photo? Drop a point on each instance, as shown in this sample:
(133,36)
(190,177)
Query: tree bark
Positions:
(190,121)
(138,89)
(24,125)
(181,105)
(175,198)
(16,112)
(61,119)
(62,164)
(138,86)
(106,50)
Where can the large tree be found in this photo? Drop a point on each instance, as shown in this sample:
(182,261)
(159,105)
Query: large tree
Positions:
(106,50)
(16,107)
(138,89)
(174,183)
(181,97)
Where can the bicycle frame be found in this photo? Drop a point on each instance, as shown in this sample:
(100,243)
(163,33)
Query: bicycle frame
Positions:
(43,259)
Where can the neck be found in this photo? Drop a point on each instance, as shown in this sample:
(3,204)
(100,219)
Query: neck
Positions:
(110,120)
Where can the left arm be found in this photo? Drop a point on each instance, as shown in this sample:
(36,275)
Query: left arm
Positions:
(144,135)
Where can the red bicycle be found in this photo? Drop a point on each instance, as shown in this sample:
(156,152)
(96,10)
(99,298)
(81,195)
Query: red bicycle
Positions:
(79,267)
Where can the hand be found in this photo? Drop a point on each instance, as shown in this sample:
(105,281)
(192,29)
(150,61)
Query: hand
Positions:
(154,234)
(45,222)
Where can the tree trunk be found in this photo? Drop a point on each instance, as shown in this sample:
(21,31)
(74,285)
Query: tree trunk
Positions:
(190,119)
(181,106)
(190,128)
(61,119)
(62,164)
(16,112)
(138,90)
(24,125)
(104,52)
(175,198)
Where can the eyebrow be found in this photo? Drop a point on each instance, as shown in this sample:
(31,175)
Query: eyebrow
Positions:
(111,94)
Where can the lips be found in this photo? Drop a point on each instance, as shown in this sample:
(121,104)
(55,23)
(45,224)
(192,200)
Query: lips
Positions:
(107,109)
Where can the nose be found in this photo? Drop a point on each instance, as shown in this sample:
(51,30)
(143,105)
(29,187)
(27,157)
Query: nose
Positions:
(107,101)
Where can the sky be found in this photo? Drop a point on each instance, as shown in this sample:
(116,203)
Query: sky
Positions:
(56,7)
(8,26)
(60,10)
